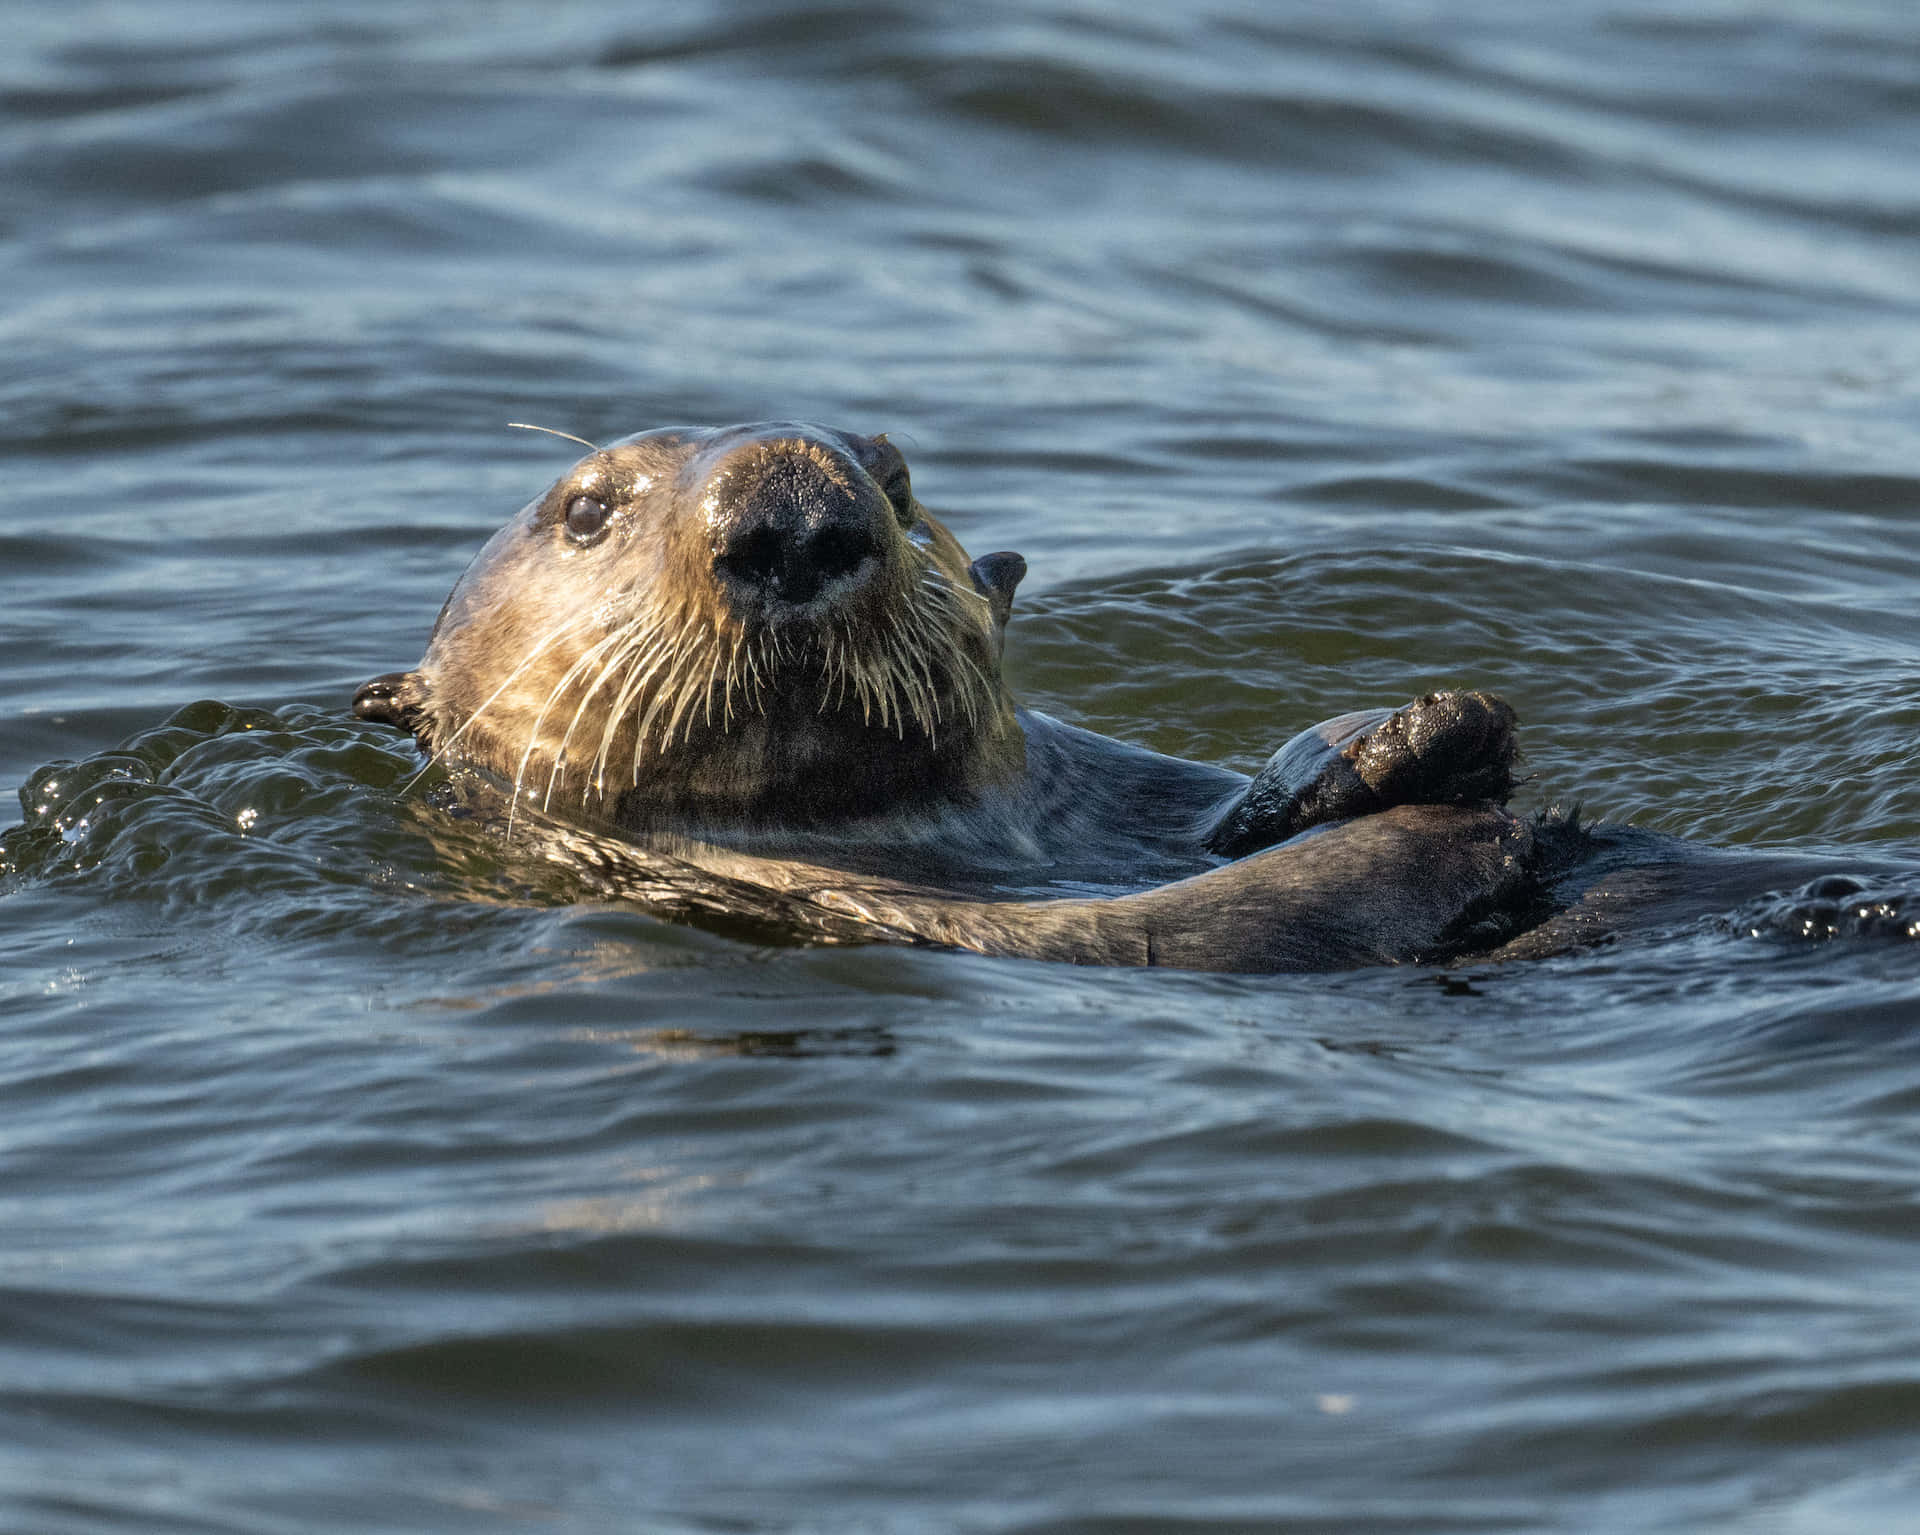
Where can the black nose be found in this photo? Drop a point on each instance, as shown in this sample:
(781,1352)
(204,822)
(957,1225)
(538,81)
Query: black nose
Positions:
(789,517)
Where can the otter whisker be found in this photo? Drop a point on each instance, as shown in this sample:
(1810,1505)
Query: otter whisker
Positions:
(656,658)
(933,579)
(978,692)
(849,674)
(630,643)
(975,691)
(755,680)
(839,673)
(528,426)
(632,655)
(547,642)
(579,668)
(688,694)
(767,669)
(726,695)
(620,641)
(915,686)
(641,643)
(894,684)
(676,695)
(876,685)
(706,695)
(897,682)
(897,692)
(958,687)
(658,649)
(914,642)
(667,668)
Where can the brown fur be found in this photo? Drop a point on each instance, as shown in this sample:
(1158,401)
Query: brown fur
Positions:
(622,682)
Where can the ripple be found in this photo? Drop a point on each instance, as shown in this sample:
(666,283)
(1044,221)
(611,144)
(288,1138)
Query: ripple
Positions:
(1313,357)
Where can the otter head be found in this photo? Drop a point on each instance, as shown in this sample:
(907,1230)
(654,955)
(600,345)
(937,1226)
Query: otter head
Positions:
(748,627)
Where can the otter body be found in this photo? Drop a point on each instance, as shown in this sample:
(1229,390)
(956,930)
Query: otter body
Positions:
(743,670)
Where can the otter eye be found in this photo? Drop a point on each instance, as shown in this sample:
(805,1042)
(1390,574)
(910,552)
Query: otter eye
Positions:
(585,518)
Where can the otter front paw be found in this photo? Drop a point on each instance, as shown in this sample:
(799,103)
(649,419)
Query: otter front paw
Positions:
(1443,749)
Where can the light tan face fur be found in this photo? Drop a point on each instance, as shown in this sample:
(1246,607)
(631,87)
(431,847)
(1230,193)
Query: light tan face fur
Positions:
(641,643)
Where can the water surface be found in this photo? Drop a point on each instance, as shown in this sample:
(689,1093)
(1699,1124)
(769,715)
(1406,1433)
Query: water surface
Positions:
(359,1177)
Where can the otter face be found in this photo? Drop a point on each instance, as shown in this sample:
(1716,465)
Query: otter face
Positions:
(751,626)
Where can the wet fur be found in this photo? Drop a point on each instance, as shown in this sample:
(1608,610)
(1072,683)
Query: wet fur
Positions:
(637,695)
(687,709)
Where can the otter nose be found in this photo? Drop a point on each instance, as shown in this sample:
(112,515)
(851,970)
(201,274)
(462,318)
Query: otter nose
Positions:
(790,517)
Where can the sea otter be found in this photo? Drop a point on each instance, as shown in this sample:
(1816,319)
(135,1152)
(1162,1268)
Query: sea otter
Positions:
(742,670)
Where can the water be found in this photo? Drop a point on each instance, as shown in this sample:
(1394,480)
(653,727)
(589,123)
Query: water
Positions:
(358,1177)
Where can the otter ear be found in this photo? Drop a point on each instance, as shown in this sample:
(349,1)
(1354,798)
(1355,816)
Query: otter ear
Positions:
(995,576)
(392,699)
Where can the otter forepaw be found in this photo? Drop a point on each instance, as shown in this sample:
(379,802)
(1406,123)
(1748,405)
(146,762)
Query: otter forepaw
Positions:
(1443,749)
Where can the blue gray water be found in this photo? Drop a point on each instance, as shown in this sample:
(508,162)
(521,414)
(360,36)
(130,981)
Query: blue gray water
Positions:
(355,1176)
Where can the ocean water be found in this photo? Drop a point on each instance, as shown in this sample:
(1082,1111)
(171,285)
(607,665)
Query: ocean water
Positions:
(356,1175)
